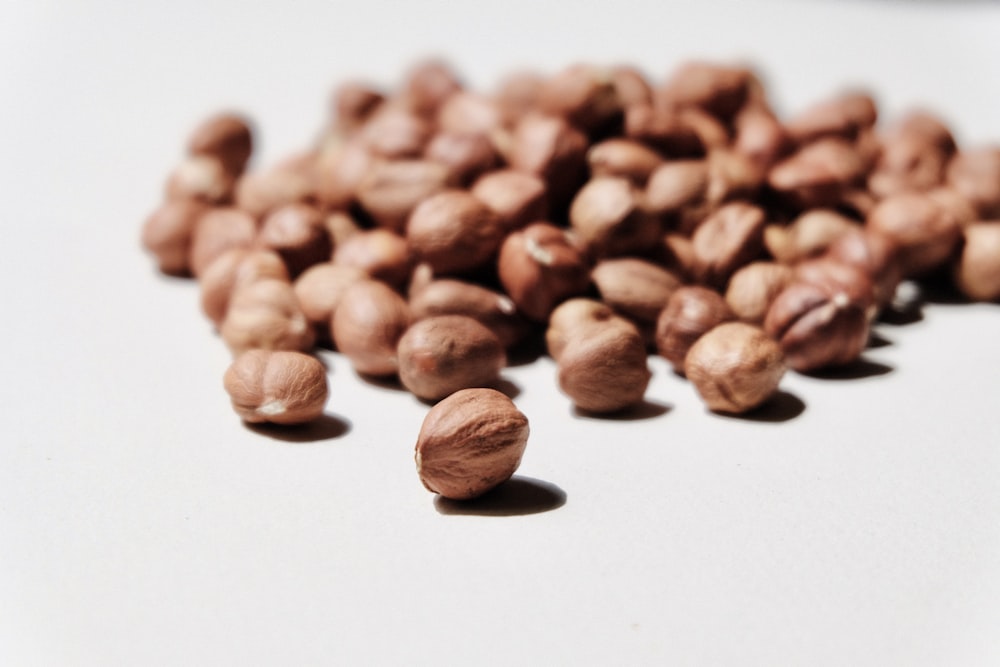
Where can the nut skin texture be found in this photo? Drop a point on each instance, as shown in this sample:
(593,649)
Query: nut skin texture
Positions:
(807,236)
(231,270)
(607,217)
(735,367)
(226,136)
(296,232)
(926,232)
(265,314)
(515,197)
(625,158)
(453,232)
(572,317)
(367,325)
(320,288)
(390,190)
(818,173)
(469,443)
(275,386)
(382,254)
(603,369)
(260,192)
(550,148)
(874,253)
(201,177)
(977,271)
(167,234)
(636,288)
(440,355)
(467,156)
(726,240)
(975,174)
(753,287)
(340,168)
(494,310)
(691,311)
(219,230)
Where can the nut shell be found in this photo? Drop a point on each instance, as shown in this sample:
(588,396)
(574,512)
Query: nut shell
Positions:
(735,367)
(280,387)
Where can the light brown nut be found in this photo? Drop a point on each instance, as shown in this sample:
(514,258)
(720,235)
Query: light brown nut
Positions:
(381,253)
(608,220)
(353,102)
(975,174)
(394,132)
(341,166)
(232,269)
(818,173)
(689,313)
(719,89)
(631,85)
(218,230)
(320,288)
(817,326)
(603,369)
(735,367)
(677,191)
(676,254)
(625,158)
(726,240)
(467,156)
(277,386)
(550,148)
(427,85)
(760,136)
(391,190)
(926,233)
(259,192)
(584,95)
(571,319)
(539,267)
(838,276)
(874,253)
(914,156)
(636,288)
(453,232)
(731,175)
(226,136)
(808,235)
(201,177)
(977,271)
(470,443)
(440,355)
(297,233)
(753,288)
(367,325)
(466,112)
(496,311)
(515,197)
(517,94)
(167,234)
(266,314)
(666,130)
(843,116)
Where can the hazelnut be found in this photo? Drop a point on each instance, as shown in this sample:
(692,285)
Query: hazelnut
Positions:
(608,220)
(454,232)
(201,177)
(427,85)
(718,89)
(977,271)
(340,169)
(807,236)
(625,158)
(844,277)
(677,190)
(843,116)
(603,369)
(874,253)
(353,103)
(926,233)
(266,314)
(760,136)
(469,443)
(573,317)
(664,129)
(259,192)
(394,132)
(550,148)
(320,288)
(516,198)
(688,314)
(381,253)
(232,269)
(634,287)
(225,136)
(367,324)
(753,288)
(517,94)
(277,386)
(467,156)
(975,174)
(167,234)
(468,113)
(442,354)
(818,173)
(631,86)
(389,191)
(219,230)
(726,240)
(735,367)
(494,310)
(582,94)
(296,232)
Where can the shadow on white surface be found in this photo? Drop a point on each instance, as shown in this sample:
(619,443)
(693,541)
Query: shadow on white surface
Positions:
(643,411)
(856,370)
(516,497)
(782,407)
(327,427)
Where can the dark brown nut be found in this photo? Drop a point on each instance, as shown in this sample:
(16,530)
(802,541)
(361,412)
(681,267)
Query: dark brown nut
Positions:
(843,116)
(467,156)
(516,198)
(296,232)
(603,369)
(808,235)
(353,103)
(735,367)
(926,233)
(277,386)
(266,314)
(470,443)
(720,90)
(664,129)
(608,219)
(167,234)
(676,191)
(572,319)
(454,232)
(817,174)
(726,240)
(441,355)
(517,94)
(688,314)
(839,277)
(539,267)
(634,287)
(760,136)
(625,158)
(975,174)
(977,271)
(259,192)
(391,190)
(218,230)
(631,86)
(232,269)
(875,254)
(584,95)
(225,136)
(494,310)
(754,287)
(465,112)
(382,254)
(817,326)
(427,85)
(340,168)
(367,325)
(550,148)
(200,177)
(394,132)
(319,291)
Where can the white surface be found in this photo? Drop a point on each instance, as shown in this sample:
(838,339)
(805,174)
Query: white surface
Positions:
(141,524)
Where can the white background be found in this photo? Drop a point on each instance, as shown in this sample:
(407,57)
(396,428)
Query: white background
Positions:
(142,524)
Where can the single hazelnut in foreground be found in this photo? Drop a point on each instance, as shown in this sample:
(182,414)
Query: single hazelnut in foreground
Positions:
(604,369)
(469,443)
(735,367)
(277,386)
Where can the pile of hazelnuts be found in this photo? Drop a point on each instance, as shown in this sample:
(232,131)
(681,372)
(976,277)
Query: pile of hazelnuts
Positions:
(433,230)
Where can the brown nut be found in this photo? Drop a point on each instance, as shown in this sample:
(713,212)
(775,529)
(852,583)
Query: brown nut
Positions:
(844,277)
(608,220)
(726,240)
(277,386)
(444,296)
(927,233)
(817,326)
(259,192)
(453,232)
(297,233)
(584,95)
(219,230)
(572,318)
(808,235)
(516,198)
(232,269)
(391,190)
(631,85)
(874,253)
(603,369)
(539,267)
(760,136)
(427,85)
(367,325)
(167,234)
(225,136)
(688,314)
(625,158)
(341,166)
(382,254)
(817,174)
(467,156)
(266,314)
(914,156)
(753,288)
(319,290)
(201,177)
(440,355)
(975,174)
(517,94)
(634,287)
(677,192)
(666,130)
(735,367)
(977,271)
(396,133)
(470,443)
(353,103)
(843,116)
(550,148)
(468,113)
(719,89)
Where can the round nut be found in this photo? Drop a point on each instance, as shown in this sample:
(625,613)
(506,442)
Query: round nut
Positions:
(277,386)
(753,288)
(340,169)
(367,325)
(515,197)
(926,233)
(201,177)
(296,232)
(634,287)
(320,288)
(167,234)
(394,132)
(381,253)
(467,156)
(572,317)
(624,158)
(726,240)
(975,173)
(225,136)
(453,232)
(494,310)
(265,314)
(232,269)
(608,220)
(689,313)
(604,369)
(219,230)
(259,192)
(469,443)
(389,191)
(977,271)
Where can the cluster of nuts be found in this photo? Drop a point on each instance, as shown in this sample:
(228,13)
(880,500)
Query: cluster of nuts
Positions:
(431,230)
